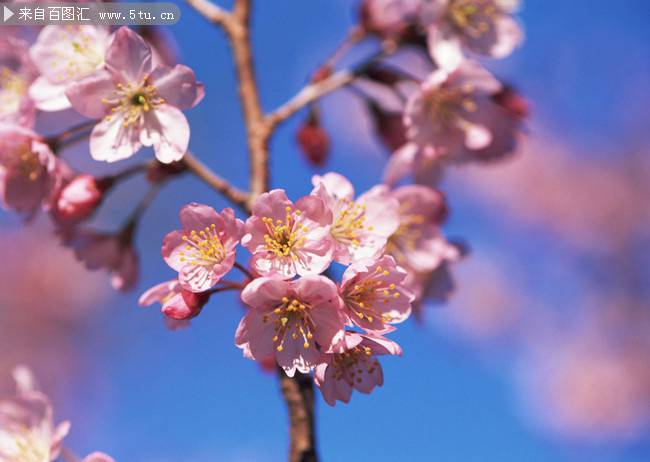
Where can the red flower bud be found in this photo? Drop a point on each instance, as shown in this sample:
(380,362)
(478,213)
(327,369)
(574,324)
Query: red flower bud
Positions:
(80,198)
(191,306)
(313,140)
(512,101)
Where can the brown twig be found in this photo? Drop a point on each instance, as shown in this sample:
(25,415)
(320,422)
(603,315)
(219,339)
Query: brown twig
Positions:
(307,95)
(236,27)
(210,11)
(298,393)
(219,184)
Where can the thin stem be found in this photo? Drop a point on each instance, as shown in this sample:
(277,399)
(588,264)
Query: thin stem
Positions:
(130,171)
(317,90)
(298,393)
(236,196)
(133,219)
(210,11)
(244,270)
(355,35)
(70,136)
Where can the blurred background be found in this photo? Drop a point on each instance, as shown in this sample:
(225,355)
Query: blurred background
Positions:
(542,354)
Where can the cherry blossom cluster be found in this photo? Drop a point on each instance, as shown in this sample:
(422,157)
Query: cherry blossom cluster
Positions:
(27,429)
(386,239)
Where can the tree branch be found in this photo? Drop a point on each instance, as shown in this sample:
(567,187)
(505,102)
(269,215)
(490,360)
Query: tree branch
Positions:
(236,196)
(236,27)
(298,393)
(307,95)
(210,11)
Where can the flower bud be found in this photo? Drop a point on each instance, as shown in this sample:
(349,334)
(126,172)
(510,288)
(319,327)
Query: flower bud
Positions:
(192,306)
(512,101)
(80,198)
(389,126)
(313,140)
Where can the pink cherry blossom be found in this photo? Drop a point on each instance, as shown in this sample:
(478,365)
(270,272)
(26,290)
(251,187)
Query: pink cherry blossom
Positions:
(374,295)
(177,303)
(64,54)
(418,243)
(108,251)
(360,227)
(139,104)
(485,27)
(29,172)
(435,286)
(295,321)
(16,74)
(288,239)
(204,250)
(27,429)
(388,18)
(454,118)
(356,368)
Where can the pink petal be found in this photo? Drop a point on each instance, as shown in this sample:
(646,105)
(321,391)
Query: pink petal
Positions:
(86,94)
(255,336)
(509,36)
(400,164)
(128,56)
(110,141)
(178,86)
(167,130)
(49,96)
(445,48)
(264,293)
(158,292)
(476,136)
(337,185)
(196,217)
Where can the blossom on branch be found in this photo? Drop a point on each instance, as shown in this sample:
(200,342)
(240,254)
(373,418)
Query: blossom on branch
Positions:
(16,74)
(204,250)
(374,295)
(360,227)
(418,243)
(64,54)
(485,27)
(288,239)
(456,118)
(294,321)
(357,368)
(139,104)
(29,172)
(113,252)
